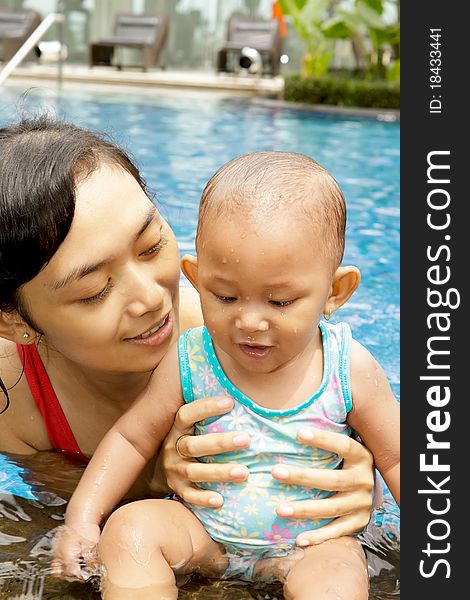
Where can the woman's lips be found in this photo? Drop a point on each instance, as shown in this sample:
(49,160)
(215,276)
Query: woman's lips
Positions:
(255,351)
(154,337)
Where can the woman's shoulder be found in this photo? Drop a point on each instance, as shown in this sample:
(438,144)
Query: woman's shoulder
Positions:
(22,430)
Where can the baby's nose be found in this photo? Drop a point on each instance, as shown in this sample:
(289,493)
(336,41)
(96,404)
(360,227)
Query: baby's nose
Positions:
(251,322)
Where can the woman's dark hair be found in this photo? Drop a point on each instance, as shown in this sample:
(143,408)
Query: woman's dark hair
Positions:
(41,161)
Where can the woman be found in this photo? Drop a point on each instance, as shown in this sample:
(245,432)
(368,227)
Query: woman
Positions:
(89,305)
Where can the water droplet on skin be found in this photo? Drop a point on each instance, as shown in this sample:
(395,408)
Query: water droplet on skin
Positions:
(203,244)
(237,260)
(243,235)
(232,250)
(224,260)
(270,296)
(295,331)
(247,298)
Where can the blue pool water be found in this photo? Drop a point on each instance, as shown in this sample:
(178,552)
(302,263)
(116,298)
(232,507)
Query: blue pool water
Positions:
(179,141)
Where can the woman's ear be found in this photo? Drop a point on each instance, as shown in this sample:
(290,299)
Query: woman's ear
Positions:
(345,282)
(13,328)
(189,268)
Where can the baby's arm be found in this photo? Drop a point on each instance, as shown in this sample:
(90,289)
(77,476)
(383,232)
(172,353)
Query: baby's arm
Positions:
(376,415)
(123,453)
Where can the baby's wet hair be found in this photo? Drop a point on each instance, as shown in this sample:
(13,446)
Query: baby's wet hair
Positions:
(261,184)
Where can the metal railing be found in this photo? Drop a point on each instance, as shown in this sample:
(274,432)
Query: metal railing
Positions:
(32,41)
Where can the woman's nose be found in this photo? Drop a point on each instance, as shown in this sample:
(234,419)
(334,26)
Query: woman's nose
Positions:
(145,293)
(251,321)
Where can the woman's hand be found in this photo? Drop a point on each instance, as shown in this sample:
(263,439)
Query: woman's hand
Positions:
(75,556)
(182,473)
(354,483)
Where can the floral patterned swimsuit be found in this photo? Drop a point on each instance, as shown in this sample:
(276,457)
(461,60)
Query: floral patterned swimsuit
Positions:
(247,524)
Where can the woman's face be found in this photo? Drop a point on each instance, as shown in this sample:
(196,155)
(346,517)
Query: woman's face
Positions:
(108,299)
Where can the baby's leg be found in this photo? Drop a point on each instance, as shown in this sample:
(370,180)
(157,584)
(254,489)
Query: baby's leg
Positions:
(144,542)
(335,569)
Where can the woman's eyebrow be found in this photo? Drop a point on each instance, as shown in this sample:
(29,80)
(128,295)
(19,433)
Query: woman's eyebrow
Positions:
(78,273)
(84,270)
(149,218)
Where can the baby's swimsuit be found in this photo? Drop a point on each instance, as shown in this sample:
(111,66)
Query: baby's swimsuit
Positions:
(58,429)
(247,524)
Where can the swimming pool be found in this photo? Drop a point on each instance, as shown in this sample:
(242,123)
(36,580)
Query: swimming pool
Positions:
(179,141)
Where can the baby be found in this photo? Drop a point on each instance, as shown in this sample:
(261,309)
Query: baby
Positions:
(267,269)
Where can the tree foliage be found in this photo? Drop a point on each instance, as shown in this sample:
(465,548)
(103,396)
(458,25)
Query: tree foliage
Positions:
(375,41)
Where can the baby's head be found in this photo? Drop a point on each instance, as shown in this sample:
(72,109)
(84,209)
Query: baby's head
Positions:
(263,188)
(269,243)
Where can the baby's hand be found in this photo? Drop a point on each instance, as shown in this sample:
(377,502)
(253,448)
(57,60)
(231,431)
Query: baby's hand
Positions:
(75,556)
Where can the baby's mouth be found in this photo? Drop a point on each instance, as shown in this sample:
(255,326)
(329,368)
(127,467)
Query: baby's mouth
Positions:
(255,350)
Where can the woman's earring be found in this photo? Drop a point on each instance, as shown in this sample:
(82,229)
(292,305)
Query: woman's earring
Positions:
(327,316)
(25,335)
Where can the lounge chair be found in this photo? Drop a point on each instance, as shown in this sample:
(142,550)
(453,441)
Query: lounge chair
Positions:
(147,33)
(15,28)
(260,34)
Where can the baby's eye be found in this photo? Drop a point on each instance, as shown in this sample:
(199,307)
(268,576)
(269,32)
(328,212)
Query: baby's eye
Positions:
(281,302)
(225,299)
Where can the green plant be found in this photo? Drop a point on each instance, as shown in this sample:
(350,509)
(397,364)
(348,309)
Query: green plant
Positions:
(374,39)
(342,91)
(372,35)
(308,17)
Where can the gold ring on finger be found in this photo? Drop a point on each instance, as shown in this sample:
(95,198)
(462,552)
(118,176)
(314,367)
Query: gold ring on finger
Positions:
(177,445)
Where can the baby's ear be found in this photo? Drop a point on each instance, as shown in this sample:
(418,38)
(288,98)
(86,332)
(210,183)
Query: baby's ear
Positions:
(345,282)
(189,268)
(13,328)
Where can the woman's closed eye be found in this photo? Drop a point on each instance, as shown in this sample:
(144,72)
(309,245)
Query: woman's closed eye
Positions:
(155,249)
(100,296)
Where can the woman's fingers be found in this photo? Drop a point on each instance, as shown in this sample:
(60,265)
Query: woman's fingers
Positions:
(337,528)
(350,506)
(325,508)
(181,448)
(198,472)
(198,410)
(199,497)
(331,480)
(343,445)
(194,446)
